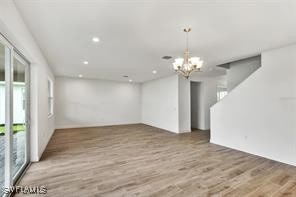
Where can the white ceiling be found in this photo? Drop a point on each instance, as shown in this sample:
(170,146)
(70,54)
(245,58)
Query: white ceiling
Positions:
(135,34)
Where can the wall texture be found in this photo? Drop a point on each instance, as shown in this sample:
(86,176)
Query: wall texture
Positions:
(240,70)
(209,98)
(160,103)
(85,103)
(184,105)
(13,27)
(259,115)
(163,103)
(166,104)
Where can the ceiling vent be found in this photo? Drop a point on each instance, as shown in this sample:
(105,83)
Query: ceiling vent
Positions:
(167,57)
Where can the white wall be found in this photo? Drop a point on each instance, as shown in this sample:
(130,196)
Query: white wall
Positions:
(239,70)
(207,98)
(166,104)
(184,105)
(259,115)
(13,27)
(160,103)
(85,103)
(209,89)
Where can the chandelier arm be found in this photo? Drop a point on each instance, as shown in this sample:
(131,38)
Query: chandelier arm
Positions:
(183,72)
(191,72)
(187,74)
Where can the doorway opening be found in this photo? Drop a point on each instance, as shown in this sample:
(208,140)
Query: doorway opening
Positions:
(195,108)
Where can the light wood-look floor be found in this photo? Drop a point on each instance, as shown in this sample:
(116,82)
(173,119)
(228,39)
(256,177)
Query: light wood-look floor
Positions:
(139,160)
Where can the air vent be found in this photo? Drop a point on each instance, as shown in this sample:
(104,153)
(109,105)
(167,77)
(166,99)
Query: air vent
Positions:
(167,57)
(125,76)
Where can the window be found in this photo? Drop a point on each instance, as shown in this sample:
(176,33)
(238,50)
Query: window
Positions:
(221,93)
(50,96)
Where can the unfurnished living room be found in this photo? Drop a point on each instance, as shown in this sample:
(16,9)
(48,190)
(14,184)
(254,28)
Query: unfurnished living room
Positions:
(148,98)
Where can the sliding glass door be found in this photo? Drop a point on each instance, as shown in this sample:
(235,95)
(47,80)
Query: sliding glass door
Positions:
(14,114)
(2,116)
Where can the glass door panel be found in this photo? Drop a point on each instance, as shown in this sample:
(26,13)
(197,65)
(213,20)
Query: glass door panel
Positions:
(20,106)
(2,116)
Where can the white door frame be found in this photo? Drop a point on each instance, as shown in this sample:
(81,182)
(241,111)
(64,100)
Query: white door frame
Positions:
(10,53)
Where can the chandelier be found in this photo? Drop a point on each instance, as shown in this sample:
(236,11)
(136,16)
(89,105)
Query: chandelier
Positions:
(188,64)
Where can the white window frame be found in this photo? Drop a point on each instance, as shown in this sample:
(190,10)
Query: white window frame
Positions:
(221,93)
(50,98)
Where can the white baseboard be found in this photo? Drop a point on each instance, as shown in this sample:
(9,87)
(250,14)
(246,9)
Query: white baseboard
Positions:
(93,125)
(252,153)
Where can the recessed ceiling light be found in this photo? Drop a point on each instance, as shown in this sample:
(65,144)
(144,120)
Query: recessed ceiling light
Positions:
(130,80)
(80,76)
(154,71)
(85,62)
(95,39)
